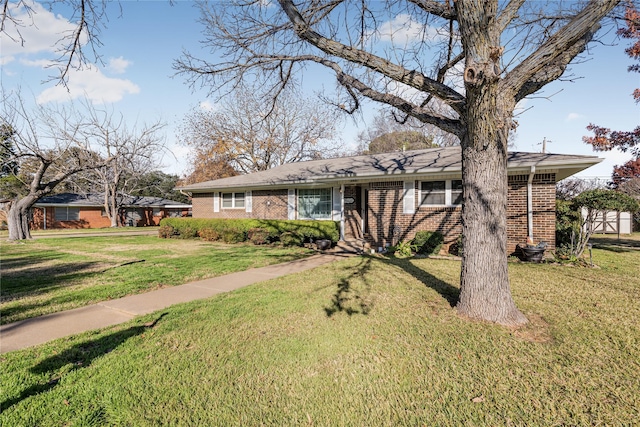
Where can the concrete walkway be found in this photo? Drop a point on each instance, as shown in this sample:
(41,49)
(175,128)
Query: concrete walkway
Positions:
(38,330)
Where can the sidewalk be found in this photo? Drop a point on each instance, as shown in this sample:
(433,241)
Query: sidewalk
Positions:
(38,330)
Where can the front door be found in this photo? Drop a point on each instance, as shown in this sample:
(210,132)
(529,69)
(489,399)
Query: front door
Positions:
(352,213)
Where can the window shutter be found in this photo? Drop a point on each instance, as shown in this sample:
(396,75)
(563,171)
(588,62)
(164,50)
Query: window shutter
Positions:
(291,203)
(216,202)
(409,198)
(337,204)
(247,201)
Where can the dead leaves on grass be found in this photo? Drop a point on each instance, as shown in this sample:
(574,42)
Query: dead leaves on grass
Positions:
(537,330)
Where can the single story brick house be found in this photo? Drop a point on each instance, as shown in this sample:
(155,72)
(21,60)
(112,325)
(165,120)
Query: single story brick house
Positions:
(385,198)
(70,210)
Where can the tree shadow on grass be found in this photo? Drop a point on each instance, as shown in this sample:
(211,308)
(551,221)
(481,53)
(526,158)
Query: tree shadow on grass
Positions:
(448,292)
(613,244)
(79,356)
(347,298)
(37,279)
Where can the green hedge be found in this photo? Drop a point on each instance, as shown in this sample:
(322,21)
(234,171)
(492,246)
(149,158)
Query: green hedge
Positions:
(238,230)
(428,242)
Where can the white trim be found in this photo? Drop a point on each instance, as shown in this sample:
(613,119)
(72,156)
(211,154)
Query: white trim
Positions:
(216,202)
(342,212)
(409,197)
(448,199)
(291,203)
(248,203)
(234,200)
(336,204)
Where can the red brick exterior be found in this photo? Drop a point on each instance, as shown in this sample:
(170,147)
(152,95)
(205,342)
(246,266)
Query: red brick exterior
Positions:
(266,204)
(91,217)
(386,213)
(385,222)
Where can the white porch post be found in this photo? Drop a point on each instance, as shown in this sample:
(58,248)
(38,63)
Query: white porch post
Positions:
(342,212)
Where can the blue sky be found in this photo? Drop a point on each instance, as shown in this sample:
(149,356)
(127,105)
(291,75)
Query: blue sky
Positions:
(136,78)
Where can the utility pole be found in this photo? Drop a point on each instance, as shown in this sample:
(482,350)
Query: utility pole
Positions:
(544,144)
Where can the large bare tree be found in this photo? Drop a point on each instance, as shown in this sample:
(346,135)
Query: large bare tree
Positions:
(49,147)
(476,57)
(134,151)
(251,134)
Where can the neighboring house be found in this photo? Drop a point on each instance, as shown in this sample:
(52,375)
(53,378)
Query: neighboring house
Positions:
(385,198)
(69,210)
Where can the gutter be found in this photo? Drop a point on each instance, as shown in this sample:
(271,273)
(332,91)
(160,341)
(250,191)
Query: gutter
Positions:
(532,172)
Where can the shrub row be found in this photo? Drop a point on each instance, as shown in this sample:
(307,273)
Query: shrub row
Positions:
(428,242)
(257,231)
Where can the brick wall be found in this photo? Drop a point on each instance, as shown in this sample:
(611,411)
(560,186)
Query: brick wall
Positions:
(89,218)
(265,204)
(388,224)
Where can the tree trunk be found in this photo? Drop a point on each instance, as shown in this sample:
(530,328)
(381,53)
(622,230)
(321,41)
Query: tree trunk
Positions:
(484,280)
(18,218)
(484,277)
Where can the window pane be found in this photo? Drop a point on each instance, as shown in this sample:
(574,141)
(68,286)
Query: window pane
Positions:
(456,192)
(314,204)
(60,214)
(227,200)
(433,192)
(433,186)
(239,200)
(433,199)
(73,214)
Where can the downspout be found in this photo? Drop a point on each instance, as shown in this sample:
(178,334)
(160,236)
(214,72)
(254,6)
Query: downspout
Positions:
(44,215)
(342,212)
(530,202)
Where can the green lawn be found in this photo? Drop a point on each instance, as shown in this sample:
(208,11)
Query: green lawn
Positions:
(360,342)
(48,275)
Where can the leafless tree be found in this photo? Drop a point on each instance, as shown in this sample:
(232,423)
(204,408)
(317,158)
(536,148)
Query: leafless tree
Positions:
(251,135)
(476,58)
(569,188)
(385,122)
(49,143)
(134,151)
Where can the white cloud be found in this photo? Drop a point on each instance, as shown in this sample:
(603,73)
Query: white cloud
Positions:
(403,30)
(6,59)
(118,65)
(208,106)
(36,33)
(89,83)
(573,116)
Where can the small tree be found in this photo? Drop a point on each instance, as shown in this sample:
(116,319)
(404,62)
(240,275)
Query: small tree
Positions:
(598,202)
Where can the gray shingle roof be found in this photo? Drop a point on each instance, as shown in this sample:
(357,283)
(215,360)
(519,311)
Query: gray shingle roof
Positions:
(402,166)
(91,200)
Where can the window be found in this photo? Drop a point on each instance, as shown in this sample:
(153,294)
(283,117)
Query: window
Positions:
(67,214)
(433,193)
(157,212)
(441,193)
(456,192)
(314,203)
(232,200)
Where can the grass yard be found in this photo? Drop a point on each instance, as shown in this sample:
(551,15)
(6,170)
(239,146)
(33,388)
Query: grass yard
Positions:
(360,342)
(48,275)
